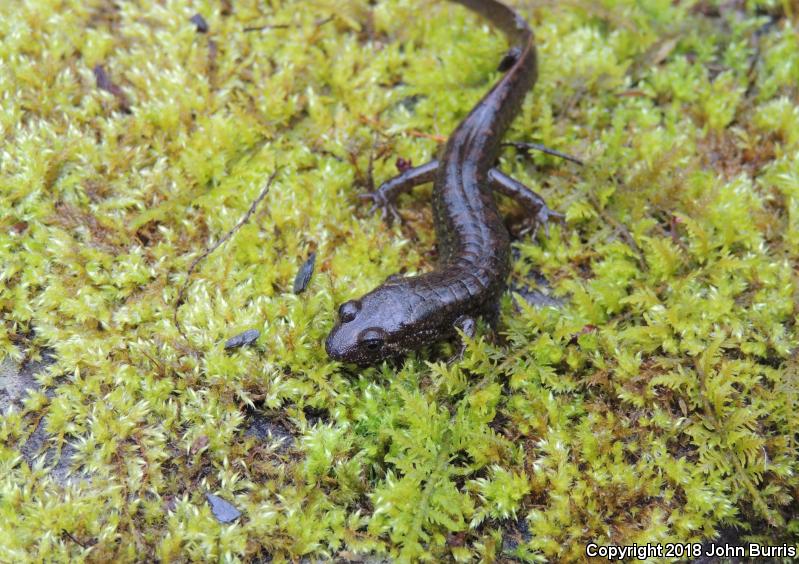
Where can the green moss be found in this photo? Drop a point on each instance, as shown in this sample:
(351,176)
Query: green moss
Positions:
(658,404)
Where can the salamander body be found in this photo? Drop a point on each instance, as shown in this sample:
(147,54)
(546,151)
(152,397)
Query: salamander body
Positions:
(406,313)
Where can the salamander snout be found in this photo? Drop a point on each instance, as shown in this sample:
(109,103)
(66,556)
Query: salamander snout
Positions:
(357,336)
(341,342)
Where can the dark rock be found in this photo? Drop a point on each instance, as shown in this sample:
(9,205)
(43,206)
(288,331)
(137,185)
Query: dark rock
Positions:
(200,23)
(304,275)
(242,339)
(515,533)
(269,431)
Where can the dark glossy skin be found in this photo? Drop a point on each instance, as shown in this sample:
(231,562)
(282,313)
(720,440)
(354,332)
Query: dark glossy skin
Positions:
(405,313)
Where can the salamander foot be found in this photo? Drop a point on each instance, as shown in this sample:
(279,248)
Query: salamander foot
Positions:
(468,326)
(388,211)
(542,217)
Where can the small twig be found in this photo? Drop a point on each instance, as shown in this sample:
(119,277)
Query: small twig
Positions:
(621,229)
(154,361)
(412,132)
(370,179)
(267,26)
(317,23)
(520,146)
(376,126)
(751,73)
(104,82)
(76,541)
(211,249)
(434,137)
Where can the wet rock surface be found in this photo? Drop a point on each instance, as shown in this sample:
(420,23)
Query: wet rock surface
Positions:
(17,381)
(269,430)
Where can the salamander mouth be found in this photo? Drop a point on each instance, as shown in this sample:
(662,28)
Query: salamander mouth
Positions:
(338,348)
(332,348)
(342,351)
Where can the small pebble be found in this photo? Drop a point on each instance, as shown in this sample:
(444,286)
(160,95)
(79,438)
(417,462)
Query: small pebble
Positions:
(200,23)
(222,510)
(304,275)
(242,339)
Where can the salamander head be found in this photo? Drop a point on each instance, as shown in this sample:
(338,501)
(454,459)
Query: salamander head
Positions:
(371,329)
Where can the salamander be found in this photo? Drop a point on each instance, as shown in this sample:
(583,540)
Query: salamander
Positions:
(407,312)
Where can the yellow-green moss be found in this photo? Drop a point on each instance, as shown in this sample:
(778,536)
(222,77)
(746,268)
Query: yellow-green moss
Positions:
(658,404)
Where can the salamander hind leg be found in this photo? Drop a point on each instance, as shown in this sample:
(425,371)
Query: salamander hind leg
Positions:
(533,203)
(385,196)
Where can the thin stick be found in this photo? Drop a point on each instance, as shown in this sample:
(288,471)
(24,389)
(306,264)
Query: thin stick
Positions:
(76,541)
(265,27)
(544,149)
(211,249)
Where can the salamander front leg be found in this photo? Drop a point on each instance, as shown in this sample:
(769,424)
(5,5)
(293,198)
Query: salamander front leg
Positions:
(386,194)
(528,199)
(468,326)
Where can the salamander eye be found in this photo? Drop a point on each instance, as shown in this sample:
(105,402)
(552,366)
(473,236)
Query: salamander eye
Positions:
(372,339)
(348,310)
